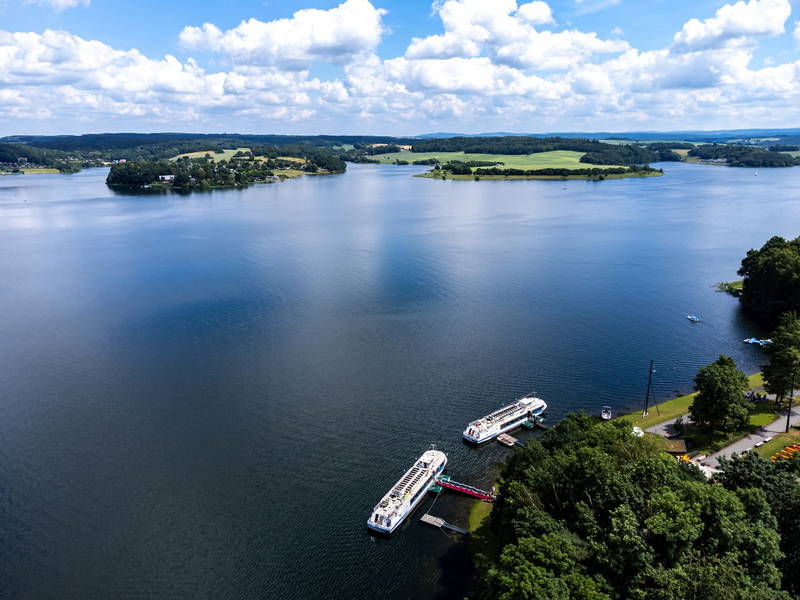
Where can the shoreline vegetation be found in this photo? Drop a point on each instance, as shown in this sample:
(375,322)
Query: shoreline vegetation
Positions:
(495,174)
(734,288)
(461,157)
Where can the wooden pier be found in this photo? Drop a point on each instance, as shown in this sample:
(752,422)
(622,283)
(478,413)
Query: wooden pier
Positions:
(507,440)
(442,524)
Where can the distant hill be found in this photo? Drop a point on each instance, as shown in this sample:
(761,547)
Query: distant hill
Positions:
(721,135)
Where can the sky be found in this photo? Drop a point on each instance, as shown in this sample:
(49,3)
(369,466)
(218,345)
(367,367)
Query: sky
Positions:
(397,67)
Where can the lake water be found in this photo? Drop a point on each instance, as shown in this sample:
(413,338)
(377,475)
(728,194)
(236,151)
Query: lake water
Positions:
(203,396)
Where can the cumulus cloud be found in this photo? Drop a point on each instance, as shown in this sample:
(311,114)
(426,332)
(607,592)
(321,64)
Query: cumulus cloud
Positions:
(60,5)
(508,34)
(536,13)
(734,23)
(337,35)
(500,64)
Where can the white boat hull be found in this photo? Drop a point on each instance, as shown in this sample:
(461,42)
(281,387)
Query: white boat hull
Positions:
(478,432)
(399,519)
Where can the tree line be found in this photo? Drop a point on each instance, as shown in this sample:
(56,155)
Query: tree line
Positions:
(771,279)
(561,172)
(744,156)
(11,154)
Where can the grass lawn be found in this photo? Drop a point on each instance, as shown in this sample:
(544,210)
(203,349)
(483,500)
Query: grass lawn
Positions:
(288,173)
(672,409)
(226,154)
(482,540)
(41,171)
(478,513)
(779,442)
(764,414)
(557,159)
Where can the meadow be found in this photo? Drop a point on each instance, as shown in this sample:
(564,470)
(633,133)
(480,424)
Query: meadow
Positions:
(557,159)
(225,155)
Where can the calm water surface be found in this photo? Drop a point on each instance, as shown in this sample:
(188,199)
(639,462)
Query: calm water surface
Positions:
(203,396)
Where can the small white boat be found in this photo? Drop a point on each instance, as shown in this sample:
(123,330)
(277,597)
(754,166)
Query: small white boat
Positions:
(693,318)
(605,414)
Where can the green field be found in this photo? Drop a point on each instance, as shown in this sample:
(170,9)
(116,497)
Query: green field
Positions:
(557,159)
(41,171)
(226,154)
(672,409)
(779,443)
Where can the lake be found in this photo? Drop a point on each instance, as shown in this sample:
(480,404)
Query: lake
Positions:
(204,395)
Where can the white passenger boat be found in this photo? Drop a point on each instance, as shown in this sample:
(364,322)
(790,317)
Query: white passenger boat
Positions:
(401,500)
(505,419)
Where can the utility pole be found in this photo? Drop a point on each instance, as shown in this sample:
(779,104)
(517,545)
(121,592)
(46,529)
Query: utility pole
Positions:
(791,397)
(649,383)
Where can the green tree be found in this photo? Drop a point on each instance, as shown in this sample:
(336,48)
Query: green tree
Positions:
(784,356)
(720,404)
(781,488)
(771,279)
(590,512)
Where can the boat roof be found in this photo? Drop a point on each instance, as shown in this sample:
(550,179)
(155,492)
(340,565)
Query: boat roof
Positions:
(510,409)
(410,481)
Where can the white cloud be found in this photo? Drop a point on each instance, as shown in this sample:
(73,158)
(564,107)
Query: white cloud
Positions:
(337,35)
(60,5)
(733,23)
(507,33)
(491,66)
(797,31)
(536,13)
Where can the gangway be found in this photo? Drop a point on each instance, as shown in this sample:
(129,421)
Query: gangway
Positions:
(446,482)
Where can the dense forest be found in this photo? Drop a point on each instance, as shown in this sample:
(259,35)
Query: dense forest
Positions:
(744,156)
(154,146)
(592,512)
(598,153)
(771,279)
(14,155)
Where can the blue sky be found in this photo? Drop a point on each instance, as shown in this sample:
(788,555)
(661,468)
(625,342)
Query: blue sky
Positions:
(394,67)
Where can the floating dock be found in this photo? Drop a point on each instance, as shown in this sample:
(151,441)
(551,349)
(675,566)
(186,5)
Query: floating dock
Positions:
(507,440)
(442,524)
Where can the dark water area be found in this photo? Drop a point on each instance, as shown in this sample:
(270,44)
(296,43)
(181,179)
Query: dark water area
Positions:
(203,396)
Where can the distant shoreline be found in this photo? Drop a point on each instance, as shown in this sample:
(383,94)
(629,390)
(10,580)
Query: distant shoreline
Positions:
(599,177)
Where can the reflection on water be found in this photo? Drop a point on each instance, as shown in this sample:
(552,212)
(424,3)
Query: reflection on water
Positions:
(204,395)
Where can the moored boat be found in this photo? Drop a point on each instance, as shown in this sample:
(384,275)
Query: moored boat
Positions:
(407,493)
(504,419)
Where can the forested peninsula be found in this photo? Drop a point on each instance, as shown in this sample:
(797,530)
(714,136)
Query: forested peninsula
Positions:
(221,169)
